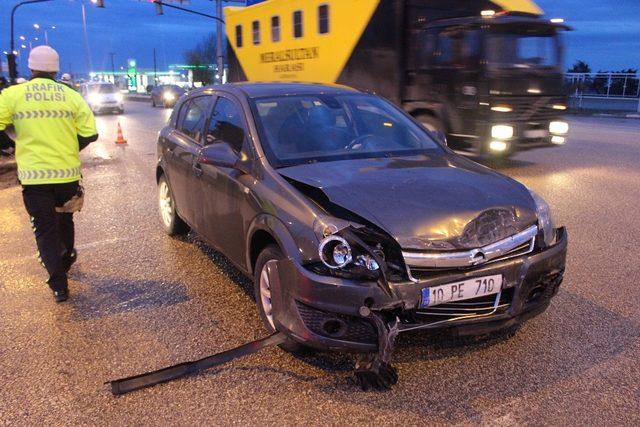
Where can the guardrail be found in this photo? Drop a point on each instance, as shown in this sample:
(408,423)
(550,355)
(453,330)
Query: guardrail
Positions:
(606,91)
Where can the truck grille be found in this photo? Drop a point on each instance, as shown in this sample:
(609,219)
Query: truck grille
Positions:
(529,109)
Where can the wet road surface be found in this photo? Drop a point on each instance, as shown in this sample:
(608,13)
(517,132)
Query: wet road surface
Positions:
(142,300)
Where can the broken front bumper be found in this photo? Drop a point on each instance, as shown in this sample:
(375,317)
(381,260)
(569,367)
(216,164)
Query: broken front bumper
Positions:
(323,312)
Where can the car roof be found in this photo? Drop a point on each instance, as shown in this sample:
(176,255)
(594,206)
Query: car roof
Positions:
(267,89)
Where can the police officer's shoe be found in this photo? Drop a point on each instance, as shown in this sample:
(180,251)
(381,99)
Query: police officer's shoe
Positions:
(61,296)
(69,259)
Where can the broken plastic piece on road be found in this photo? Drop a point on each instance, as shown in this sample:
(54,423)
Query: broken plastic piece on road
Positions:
(126,385)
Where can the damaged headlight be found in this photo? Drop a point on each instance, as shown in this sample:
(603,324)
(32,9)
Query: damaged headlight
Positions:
(337,252)
(545,219)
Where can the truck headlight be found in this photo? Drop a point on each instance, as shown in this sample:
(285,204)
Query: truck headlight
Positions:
(168,96)
(545,219)
(558,127)
(502,131)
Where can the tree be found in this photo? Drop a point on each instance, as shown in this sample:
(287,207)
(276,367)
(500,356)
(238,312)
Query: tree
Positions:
(580,67)
(203,55)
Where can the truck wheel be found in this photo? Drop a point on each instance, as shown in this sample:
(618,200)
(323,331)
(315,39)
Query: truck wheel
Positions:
(172,223)
(263,294)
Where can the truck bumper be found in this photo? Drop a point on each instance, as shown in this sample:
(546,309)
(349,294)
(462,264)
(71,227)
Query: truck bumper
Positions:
(323,312)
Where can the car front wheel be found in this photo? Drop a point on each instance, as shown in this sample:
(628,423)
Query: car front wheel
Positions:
(264,293)
(172,223)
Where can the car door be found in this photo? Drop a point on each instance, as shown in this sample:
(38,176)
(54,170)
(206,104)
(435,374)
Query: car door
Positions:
(183,146)
(224,195)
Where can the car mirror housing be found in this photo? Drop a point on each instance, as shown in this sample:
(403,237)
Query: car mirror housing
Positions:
(222,155)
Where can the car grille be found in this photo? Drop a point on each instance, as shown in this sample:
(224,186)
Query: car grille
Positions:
(337,326)
(481,306)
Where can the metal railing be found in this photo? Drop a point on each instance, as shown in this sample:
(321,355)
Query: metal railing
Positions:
(625,85)
(604,90)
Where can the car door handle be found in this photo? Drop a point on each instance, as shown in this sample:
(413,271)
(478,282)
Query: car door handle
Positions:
(197,169)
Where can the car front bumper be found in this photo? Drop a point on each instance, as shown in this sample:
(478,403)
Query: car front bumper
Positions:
(323,312)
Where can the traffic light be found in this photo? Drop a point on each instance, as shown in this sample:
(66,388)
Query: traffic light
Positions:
(98,3)
(158,8)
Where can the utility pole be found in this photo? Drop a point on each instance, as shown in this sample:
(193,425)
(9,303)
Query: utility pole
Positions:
(86,37)
(155,68)
(219,29)
(113,66)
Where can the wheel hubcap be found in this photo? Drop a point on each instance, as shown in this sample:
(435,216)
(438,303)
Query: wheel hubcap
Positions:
(265,291)
(164,200)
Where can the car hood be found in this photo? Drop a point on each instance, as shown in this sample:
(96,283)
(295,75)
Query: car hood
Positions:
(423,202)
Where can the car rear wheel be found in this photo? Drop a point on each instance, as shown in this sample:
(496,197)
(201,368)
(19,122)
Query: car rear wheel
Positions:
(264,294)
(172,223)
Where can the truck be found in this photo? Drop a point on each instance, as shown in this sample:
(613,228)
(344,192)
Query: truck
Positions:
(487,75)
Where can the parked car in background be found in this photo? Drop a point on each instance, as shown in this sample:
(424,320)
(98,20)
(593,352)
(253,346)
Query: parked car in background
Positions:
(166,95)
(103,97)
(355,223)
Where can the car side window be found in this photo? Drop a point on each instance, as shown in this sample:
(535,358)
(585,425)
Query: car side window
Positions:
(193,114)
(226,125)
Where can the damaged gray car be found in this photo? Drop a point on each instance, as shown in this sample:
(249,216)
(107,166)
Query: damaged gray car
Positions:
(354,221)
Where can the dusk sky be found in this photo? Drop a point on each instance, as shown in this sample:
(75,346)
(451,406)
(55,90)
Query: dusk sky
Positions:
(607,32)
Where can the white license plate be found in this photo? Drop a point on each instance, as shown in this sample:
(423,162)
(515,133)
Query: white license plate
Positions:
(459,291)
(536,133)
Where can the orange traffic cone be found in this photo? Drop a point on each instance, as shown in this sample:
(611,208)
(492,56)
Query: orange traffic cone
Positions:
(120,138)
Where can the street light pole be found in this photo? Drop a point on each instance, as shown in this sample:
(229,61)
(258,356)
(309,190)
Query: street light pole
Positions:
(11,56)
(86,37)
(220,58)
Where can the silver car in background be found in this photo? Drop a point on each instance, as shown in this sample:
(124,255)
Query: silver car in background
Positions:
(103,97)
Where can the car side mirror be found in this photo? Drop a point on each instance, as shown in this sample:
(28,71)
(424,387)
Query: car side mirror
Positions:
(222,155)
(439,136)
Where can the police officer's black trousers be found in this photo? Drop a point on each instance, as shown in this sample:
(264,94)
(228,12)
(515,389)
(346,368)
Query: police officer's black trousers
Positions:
(54,231)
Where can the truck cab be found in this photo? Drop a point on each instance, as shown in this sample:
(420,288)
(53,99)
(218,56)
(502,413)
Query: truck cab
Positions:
(491,85)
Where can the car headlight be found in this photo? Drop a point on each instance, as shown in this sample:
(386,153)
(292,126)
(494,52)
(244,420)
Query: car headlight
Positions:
(168,96)
(335,252)
(545,219)
(560,128)
(94,98)
(502,131)
(119,97)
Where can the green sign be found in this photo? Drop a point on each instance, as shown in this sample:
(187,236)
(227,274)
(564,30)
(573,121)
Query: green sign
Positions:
(132,72)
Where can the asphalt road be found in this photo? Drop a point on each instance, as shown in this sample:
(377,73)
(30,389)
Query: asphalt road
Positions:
(142,300)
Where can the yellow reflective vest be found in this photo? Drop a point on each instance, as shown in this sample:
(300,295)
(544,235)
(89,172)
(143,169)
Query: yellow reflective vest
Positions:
(47,117)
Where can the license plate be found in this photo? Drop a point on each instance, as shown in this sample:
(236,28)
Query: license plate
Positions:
(536,133)
(460,291)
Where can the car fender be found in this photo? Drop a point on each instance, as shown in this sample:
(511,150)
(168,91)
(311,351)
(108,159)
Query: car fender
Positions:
(277,229)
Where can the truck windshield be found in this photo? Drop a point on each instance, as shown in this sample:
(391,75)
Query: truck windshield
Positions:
(319,128)
(512,50)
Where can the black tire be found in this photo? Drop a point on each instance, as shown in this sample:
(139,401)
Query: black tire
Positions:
(172,223)
(271,253)
(153,102)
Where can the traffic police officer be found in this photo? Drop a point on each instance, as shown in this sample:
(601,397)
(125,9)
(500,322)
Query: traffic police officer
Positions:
(52,124)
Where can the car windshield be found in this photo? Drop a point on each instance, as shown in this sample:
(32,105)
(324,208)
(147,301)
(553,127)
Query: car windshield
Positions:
(316,128)
(509,50)
(103,88)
